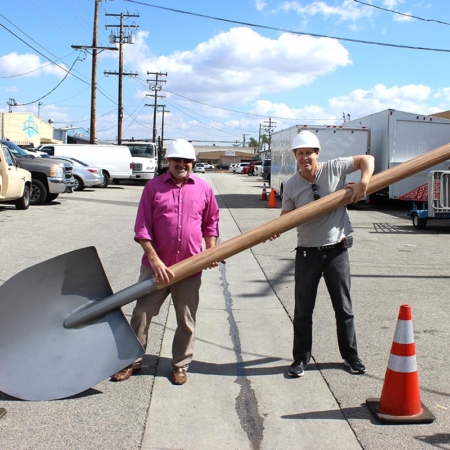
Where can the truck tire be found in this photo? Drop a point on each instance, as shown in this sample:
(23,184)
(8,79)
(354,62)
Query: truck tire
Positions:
(38,193)
(79,185)
(116,181)
(51,197)
(418,223)
(24,201)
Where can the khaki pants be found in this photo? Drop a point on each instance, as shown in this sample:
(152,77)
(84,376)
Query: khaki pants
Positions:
(185,298)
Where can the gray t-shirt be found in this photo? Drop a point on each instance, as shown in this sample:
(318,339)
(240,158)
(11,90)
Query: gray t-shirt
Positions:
(331,227)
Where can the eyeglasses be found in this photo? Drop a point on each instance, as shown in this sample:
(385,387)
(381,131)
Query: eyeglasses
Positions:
(178,160)
(314,187)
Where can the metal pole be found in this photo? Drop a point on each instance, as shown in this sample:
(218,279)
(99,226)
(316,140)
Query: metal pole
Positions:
(154,108)
(92,129)
(120,109)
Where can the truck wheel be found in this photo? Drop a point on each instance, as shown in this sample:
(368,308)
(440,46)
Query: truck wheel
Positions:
(24,201)
(38,193)
(105,182)
(116,181)
(51,197)
(419,223)
(79,185)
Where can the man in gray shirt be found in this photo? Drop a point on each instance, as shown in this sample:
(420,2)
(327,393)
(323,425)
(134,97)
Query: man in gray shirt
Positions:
(322,247)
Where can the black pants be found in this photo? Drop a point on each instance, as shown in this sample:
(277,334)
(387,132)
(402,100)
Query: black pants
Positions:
(334,265)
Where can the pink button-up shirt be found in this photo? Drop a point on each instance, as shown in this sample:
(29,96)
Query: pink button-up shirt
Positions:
(176,218)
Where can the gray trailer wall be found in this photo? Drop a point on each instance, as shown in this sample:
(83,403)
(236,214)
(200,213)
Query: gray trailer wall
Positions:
(398,136)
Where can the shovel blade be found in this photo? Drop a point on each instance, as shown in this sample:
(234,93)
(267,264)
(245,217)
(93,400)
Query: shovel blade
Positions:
(40,359)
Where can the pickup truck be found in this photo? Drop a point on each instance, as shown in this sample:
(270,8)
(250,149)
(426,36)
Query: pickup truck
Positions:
(15,182)
(251,168)
(49,178)
(266,166)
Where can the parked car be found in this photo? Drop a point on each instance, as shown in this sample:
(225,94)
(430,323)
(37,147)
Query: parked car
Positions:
(15,182)
(266,169)
(85,175)
(252,166)
(240,167)
(258,170)
(48,178)
(199,168)
(223,166)
(232,167)
(208,166)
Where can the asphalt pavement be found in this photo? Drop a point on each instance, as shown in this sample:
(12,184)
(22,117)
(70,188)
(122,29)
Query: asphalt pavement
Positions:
(238,395)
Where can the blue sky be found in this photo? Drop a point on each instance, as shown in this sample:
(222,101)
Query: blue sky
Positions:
(226,77)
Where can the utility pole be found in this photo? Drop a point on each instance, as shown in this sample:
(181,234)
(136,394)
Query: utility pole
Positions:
(259,141)
(129,39)
(243,139)
(269,129)
(94,49)
(156,87)
(162,126)
(11,102)
(39,109)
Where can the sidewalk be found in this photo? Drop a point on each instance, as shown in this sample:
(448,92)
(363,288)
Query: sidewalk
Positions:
(238,395)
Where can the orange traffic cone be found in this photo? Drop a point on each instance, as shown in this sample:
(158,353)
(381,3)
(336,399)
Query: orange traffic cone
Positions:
(264,193)
(272,201)
(400,396)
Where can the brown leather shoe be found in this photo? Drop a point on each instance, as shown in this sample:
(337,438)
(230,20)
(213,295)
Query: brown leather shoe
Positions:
(179,376)
(126,373)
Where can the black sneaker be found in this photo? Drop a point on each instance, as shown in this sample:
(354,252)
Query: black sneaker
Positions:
(297,369)
(355,364)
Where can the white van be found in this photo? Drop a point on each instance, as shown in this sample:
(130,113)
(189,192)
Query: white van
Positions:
(114,160)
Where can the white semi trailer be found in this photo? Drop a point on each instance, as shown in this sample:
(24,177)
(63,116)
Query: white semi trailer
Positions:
(398,136)
(335,142)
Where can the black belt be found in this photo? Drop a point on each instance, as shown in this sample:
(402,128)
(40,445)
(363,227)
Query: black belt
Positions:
(321,247)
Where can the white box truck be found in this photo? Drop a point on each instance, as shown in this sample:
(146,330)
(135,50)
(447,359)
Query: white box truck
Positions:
(335,142)
(398,136)
(144,156)
(114,160)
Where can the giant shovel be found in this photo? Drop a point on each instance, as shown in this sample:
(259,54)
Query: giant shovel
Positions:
(61,327)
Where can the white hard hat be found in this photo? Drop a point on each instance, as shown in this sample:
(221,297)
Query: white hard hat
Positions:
(305,139)
(180,148)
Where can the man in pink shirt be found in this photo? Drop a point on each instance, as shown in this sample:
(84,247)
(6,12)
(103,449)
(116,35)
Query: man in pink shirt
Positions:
(176,211)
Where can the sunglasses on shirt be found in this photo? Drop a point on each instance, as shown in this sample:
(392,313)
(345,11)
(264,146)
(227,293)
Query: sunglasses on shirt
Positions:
(185,161)
(315,188)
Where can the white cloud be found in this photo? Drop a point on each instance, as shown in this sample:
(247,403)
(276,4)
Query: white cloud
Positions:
(391,4)
(239,65)
(260,5)
(27,65)
(348,11)
(404,17)
(443,93)
(11,89)
(359,103)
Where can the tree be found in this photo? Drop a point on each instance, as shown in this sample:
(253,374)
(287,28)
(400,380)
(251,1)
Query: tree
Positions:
(253,143)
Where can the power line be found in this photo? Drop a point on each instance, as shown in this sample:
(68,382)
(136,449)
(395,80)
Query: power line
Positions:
(197,120)
(358,41)
(47,58)
(242,112)
(215,121)
(402,14)
(46,95)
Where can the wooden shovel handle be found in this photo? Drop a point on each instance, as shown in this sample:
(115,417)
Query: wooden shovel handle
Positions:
(301,215)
